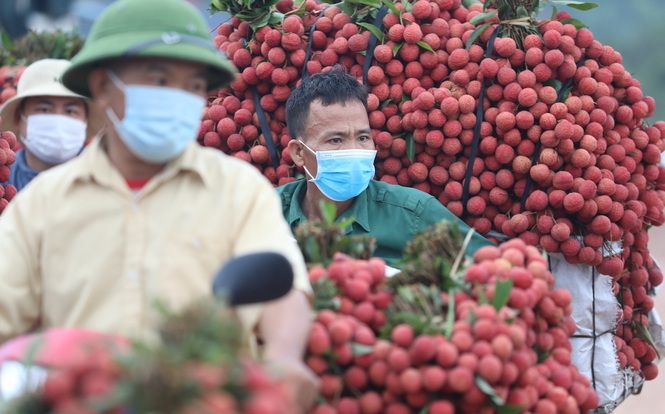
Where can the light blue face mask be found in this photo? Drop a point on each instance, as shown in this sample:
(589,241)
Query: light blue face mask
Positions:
(159,122)
(342,174)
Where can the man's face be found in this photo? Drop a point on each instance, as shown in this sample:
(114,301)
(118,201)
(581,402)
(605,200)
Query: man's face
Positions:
(334,127)
(187,76)
(55,105)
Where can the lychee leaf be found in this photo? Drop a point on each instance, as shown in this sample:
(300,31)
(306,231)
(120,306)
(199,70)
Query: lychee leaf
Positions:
(645,335)
(392,7)
(260,21)
(425,46)
(579,5)
(487,389)
(385,103)
(276,18)
(450,315)
(396,48)
(482,16)
(482,297)
(373,29)
(475,34)
(556,84)
(328,212)
(410,147)
(575,22)
(502,293)
(360,349)
(521,12)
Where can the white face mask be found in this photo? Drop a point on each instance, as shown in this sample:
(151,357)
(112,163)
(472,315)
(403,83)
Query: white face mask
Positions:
(54,138)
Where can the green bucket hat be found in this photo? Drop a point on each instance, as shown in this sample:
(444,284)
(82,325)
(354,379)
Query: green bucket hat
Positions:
(149,28)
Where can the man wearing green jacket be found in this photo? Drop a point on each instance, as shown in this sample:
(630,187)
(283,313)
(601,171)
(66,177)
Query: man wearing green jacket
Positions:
(332,142)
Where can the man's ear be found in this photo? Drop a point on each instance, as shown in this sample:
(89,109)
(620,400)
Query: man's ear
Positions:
(296,152)
(99,84)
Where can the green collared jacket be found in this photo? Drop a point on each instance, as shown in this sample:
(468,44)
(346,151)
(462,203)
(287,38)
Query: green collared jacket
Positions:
(392,214)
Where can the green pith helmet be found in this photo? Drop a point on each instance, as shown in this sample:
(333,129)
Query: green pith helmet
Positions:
(149,28)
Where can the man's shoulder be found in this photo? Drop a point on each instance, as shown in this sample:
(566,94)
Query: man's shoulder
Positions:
(287,190)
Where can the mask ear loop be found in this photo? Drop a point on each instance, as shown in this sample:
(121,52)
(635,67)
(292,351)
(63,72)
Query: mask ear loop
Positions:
(115,79)
(313,179)
(118,83)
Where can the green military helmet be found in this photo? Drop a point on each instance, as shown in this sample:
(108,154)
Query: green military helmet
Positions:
(149,28)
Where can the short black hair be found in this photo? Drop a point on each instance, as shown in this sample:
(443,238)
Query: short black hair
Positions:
(331,87)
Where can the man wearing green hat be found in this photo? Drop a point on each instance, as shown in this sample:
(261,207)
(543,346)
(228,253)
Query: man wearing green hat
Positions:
(144,212)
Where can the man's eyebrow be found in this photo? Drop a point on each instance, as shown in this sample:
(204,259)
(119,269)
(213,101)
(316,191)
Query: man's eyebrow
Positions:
(156,67)
(45,101)
(361,131)
(161,68)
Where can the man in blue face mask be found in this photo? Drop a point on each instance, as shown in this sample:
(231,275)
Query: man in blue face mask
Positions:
(327,117)
(145,213)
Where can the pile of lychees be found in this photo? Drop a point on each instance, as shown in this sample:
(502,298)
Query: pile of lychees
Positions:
(497,340)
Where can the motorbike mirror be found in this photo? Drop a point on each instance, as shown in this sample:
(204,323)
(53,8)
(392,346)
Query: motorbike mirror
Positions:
(253,278)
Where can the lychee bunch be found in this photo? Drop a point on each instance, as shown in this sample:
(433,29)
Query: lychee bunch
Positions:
(7,158)
(510,351)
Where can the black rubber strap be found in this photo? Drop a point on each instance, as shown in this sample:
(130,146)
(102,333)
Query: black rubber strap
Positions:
(476,128)
(308,51)
(265,128)
(371,45)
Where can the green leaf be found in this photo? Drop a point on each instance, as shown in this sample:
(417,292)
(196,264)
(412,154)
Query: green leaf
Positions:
(502,293)
(373,29)
(58,46)
(579,5)
(392,7)
(575,22)
(644,334)
(508,409)
(554,12)
(477,32)
(521,12)
(482,16)
(346,222)
(425,46)
(487,389)
(328,212)
(360,349)
(450,315)
(482,297)
(405,293)
(397,47)
(410,147)
(216,5)
(556,84)
(276,18)
(7,41)
(260,22)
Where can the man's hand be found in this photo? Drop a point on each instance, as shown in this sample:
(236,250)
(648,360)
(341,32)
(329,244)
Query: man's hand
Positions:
(301,383)
(284,328)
